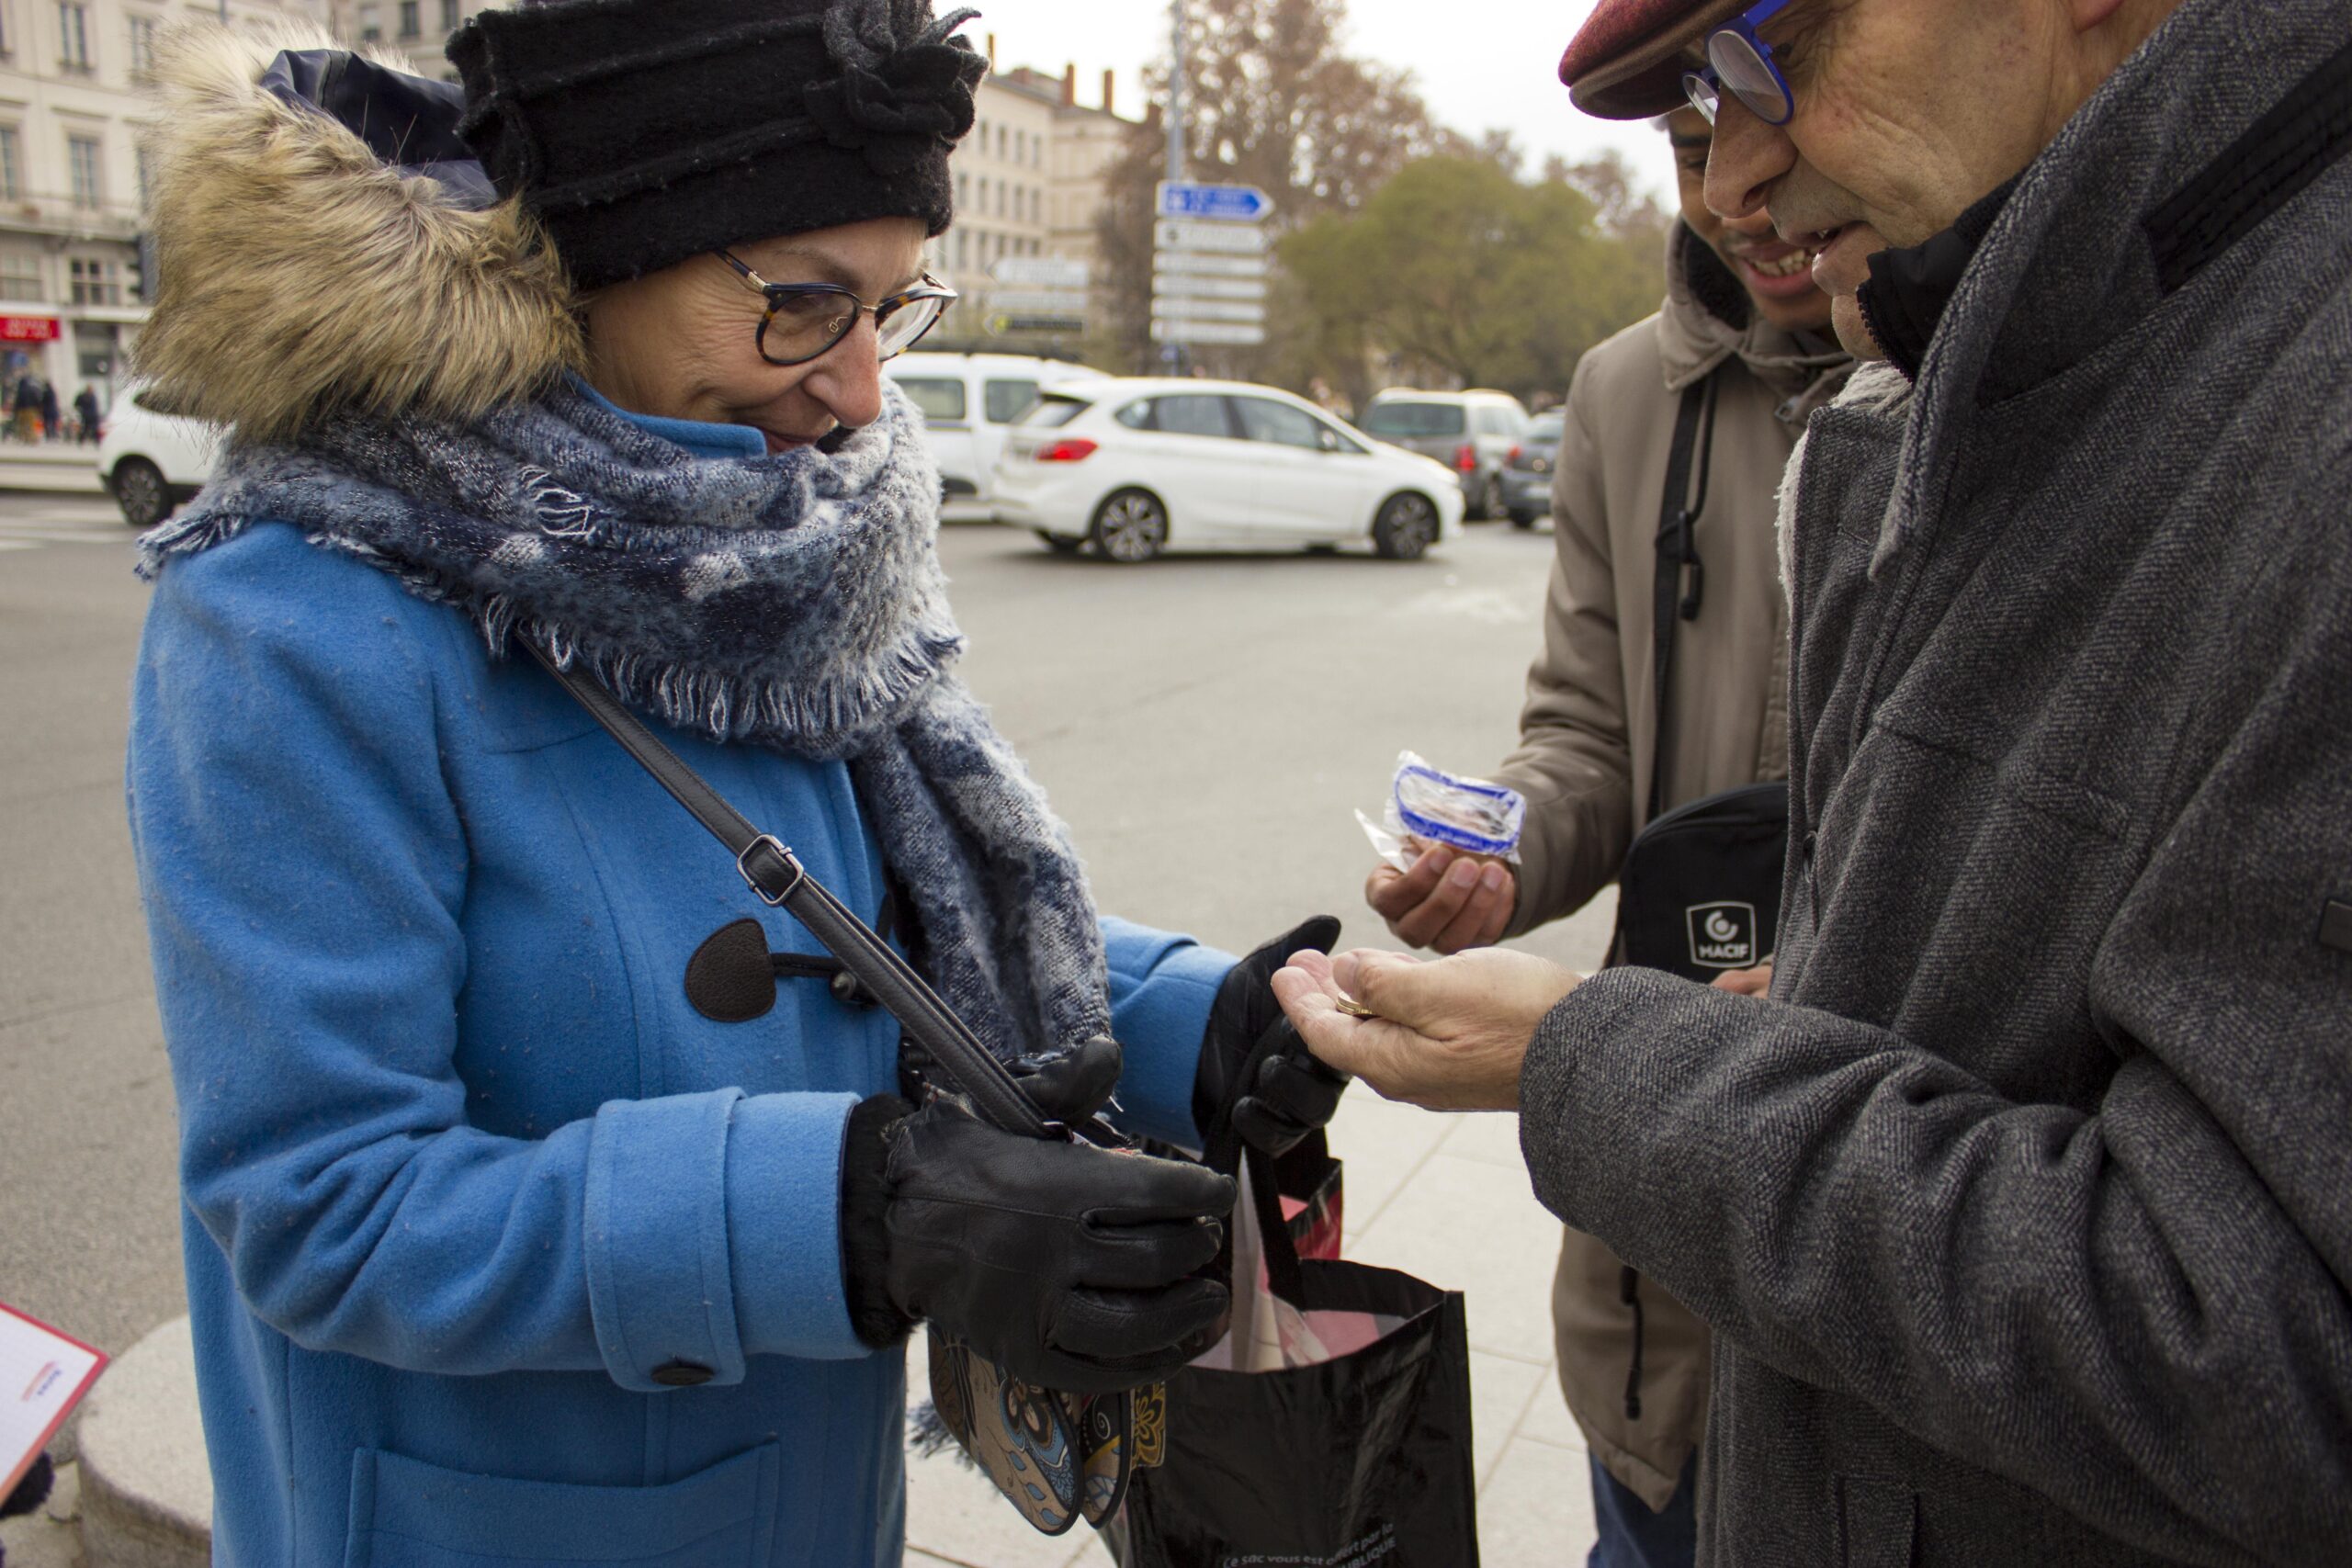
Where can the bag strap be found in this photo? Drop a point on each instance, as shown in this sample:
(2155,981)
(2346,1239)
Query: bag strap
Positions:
(1226,1153)
(779,878)
(1678,548)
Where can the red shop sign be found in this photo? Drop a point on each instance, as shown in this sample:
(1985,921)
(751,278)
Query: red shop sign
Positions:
(28,328)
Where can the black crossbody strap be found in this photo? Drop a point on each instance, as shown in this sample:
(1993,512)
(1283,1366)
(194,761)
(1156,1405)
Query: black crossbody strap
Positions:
(777,874)
(1678,597)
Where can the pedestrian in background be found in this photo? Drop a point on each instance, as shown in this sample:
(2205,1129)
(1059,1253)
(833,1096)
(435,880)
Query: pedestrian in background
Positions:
(2018,1208)
(52,418)
(544,1201)
(1743,331)
(86,409)
(32,393)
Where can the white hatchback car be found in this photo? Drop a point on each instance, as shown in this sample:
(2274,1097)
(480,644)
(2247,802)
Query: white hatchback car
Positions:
(1137,466)
(151,461)
(969,402)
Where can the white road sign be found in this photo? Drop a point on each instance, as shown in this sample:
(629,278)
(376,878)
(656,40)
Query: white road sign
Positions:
(1207,332)
(1042,272)
(1047,302)
(1226,239)
(1201,265)
(1177,284)
(1209,309)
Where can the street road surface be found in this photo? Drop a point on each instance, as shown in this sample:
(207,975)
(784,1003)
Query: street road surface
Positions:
(1209,726)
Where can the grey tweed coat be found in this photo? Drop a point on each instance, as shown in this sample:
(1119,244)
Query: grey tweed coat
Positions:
(2023,1210)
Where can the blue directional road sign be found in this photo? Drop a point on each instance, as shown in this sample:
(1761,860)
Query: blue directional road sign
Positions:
(1245,204)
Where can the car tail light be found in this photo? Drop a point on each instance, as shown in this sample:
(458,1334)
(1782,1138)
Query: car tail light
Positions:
(1068,449)
(1515,452)
(1466,459)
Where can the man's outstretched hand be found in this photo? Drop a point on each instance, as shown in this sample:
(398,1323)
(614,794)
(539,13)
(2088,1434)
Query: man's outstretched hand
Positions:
(1448,901)
(1450,1034)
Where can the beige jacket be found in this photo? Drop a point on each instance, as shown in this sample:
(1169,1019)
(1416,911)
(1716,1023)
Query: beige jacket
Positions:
(1588,734)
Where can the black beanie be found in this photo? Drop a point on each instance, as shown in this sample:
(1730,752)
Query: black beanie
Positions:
(641,132)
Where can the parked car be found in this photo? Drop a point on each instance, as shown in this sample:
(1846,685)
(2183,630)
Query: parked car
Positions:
(1527,473)
(153,462)
(1472,432)
(969,400)
(1136,467)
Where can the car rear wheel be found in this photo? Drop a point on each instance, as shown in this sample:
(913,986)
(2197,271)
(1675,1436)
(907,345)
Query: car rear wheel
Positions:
(1060,544)
(140,491)
(1130,526)
(1405,528)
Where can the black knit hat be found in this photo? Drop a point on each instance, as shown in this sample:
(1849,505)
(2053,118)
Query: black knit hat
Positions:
(641,132)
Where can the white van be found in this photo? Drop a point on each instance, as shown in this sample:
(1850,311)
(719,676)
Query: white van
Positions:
(970,401)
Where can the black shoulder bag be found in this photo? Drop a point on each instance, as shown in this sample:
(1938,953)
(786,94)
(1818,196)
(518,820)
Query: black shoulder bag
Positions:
(1058,1458)
(1700,892)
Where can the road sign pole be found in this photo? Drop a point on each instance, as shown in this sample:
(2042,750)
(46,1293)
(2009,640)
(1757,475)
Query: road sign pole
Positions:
(1176,90)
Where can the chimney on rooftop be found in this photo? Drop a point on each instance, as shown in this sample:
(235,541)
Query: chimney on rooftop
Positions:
(991,51)
(1069,87)
(1110,79)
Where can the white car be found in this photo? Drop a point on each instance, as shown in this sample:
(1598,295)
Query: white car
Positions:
(970,401)
(1134,466)
(151,461)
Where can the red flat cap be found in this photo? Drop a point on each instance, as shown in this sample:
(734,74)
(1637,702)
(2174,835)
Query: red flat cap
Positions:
(1627,61)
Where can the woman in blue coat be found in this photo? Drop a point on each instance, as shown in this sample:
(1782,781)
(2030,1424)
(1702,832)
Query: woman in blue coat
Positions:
(532,1217)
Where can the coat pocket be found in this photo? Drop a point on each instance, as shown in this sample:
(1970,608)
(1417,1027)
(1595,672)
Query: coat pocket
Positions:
(1879,1520)
(406,1514)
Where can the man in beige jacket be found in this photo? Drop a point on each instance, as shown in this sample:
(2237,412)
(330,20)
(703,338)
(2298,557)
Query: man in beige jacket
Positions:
(1740,307)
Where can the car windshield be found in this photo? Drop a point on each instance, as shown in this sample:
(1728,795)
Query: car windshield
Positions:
(1414,419)
(1052,412)
(1545,430)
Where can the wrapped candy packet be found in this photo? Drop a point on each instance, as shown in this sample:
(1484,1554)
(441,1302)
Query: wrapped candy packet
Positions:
(1428,807)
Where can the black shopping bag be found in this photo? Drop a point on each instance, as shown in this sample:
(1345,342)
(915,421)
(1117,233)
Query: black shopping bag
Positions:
(1354,1452)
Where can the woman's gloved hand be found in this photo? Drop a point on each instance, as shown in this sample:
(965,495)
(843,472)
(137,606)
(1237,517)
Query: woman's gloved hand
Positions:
(1063,1263)
(1293,1094)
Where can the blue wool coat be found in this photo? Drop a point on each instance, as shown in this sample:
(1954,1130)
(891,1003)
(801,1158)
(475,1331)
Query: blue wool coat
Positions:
(463,1169)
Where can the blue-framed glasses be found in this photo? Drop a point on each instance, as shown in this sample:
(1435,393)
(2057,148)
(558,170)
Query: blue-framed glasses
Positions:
(1737,59)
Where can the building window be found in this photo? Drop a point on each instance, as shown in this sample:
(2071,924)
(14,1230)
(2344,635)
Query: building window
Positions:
(89,189)
(412,26)
(73,26)
(372,24)
(20,276)
(93,281)
(97,349)
(449,17)
(144,168)
(143,45)
(12,165)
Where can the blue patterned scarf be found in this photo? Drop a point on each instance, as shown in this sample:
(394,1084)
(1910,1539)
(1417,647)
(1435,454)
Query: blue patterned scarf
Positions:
(794,601)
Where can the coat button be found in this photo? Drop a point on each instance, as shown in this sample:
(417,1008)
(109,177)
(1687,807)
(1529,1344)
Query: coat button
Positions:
(680,1374)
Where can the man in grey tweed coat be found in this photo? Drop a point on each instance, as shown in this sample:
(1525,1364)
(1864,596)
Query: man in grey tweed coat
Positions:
(2022,1208)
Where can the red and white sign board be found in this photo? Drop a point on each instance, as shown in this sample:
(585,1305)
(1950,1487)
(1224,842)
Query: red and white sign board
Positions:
(29,329)
(43,1375)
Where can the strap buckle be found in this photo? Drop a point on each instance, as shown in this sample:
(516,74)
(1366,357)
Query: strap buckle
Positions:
(775,858)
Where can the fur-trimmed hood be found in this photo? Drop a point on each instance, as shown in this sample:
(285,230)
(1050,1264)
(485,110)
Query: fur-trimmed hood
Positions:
(301,276)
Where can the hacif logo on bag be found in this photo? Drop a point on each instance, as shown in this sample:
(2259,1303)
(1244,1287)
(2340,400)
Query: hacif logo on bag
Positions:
(1722,936)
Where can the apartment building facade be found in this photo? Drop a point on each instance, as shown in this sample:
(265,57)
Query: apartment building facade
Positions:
(73,180)
(1029,183)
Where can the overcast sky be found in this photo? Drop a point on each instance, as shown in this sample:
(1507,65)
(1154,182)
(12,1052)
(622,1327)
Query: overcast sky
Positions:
(1481,63)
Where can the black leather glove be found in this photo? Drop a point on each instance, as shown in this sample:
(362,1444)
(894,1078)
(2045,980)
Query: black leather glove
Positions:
(1294,1093)
(1063,1263)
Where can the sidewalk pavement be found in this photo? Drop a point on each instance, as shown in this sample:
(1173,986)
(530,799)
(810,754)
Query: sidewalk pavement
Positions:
(49,466)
